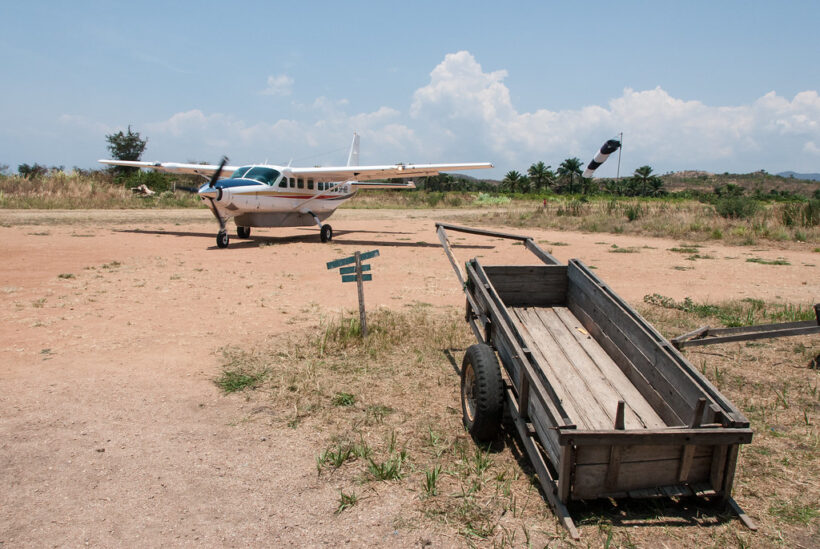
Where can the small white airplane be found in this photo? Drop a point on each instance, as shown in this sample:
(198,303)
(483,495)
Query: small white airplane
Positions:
(263,195)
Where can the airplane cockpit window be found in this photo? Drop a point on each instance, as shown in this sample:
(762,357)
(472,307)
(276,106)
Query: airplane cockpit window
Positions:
(240,173)
(263,175)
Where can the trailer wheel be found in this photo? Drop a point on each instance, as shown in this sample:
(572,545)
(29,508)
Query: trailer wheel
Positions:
(481,392)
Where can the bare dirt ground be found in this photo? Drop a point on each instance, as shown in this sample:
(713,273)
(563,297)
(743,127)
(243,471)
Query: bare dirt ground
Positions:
(112,432)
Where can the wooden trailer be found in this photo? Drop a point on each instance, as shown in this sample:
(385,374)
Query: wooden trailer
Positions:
(604,405)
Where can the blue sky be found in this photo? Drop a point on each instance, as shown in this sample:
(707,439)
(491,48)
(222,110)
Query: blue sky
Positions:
(718,86)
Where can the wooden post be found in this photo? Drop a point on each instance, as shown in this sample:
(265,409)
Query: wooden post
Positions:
(360,286)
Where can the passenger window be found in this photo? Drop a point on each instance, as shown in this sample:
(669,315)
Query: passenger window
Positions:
(310,184)
(300,183)
(290,182)
(284,183)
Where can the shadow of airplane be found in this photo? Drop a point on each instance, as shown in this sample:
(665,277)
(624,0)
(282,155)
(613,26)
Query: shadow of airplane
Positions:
(308,238)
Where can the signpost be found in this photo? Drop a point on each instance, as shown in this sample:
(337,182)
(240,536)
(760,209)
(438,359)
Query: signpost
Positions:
(355,273)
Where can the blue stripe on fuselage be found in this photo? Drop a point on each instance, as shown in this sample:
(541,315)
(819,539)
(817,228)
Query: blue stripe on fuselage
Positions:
(228,183)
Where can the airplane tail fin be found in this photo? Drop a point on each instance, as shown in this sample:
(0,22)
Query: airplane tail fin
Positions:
(353,157)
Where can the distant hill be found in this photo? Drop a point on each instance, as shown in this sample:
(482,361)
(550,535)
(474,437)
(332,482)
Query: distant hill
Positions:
(795,175)
(761,180)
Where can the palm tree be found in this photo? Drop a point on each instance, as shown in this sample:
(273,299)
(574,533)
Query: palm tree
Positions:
(569,168)
(541,175)
(643,175)
(510,181)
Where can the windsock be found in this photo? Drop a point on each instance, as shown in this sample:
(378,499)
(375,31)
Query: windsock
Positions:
(609,147)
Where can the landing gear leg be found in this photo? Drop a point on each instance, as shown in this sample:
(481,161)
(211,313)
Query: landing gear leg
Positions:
(325,231)
(222,239)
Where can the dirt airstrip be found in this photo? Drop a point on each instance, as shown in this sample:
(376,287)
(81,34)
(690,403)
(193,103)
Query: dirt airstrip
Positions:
(111,429)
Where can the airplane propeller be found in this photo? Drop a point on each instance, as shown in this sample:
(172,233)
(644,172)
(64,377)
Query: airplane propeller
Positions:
(215,176)
(211,182)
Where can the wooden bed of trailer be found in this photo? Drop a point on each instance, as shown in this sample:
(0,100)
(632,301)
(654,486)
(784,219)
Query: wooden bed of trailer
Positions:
(604,405)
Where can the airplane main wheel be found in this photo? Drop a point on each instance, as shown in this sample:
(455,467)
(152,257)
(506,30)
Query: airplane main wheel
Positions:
(326,234)
(222,239)
(243,232)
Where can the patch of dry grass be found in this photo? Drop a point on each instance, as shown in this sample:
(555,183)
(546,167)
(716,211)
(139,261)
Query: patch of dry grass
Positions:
(74,191)
(389,412)
(679,219)
(775,383)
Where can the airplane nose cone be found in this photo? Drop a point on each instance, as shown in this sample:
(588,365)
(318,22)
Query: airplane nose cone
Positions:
(209,192)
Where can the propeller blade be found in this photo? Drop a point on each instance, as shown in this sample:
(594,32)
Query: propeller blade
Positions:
(215,176)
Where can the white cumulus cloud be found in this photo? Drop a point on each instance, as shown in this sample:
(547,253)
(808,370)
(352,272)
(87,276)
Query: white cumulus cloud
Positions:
(281,84)
(464,113)
(463,103)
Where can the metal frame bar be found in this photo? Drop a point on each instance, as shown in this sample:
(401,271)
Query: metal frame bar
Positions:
(711,336)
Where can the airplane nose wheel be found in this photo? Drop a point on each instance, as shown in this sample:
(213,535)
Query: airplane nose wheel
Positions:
(326,234)
(222,239)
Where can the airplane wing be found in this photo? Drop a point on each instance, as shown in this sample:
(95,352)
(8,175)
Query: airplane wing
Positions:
(174,167)
(383,185)
(368,173)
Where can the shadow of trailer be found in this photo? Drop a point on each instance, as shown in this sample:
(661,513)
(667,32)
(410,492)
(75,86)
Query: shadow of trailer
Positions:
(604,405)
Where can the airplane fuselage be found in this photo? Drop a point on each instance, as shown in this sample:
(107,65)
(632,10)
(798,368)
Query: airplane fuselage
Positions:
(271,196)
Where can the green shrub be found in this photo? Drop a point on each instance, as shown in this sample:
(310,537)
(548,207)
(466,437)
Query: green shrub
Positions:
(737,207)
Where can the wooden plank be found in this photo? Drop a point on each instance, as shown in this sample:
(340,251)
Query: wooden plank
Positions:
(662,345)
(635,377)
(687,456)
(502,327)
(676,491)
(541,254)
(613,375)
(355,278)
(699,332)
(548,483)
(596,378)
(643,493)
(591,480)
(351,259)
(718,466)
(619,416)
(597,455)
(352,270)
(697,416)
(559,371)
(547,432)
(481,232)
(546,368)
(538,285)
(471,300)
(613,467)
(565,473)
(611,323)
(741,514)
(729,475)
(704,437)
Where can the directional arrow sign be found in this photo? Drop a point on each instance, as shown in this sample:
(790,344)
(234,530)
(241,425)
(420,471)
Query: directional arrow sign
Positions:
(355,274)
(352,270)
(351,259)
(352,278)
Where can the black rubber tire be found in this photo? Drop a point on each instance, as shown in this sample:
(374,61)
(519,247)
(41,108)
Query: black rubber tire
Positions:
(222,239)
(482,393)
(326,233)
(243,232)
